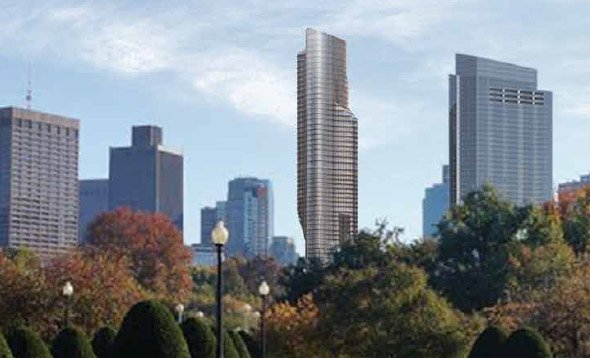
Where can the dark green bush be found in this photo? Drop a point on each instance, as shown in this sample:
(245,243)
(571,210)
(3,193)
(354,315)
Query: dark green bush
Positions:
(149,330)
(251,343)
(103,341)
(24,343)
(4,349)
(199,338)
(71,343)
(526,343)
(239,344)
(229,348)
(489,343)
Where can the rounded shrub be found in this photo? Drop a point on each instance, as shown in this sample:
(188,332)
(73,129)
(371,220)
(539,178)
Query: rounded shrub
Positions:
(149,330)
(24,343)
(489,343)
(199,338)
(71,343)
(526,343)
(239,344)
(229,348)
(4,349)
(251,344)
(103,340)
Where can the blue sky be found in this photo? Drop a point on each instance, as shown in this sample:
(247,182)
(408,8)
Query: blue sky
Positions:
(220,78)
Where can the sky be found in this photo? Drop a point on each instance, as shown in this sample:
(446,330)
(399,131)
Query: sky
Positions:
(220,78)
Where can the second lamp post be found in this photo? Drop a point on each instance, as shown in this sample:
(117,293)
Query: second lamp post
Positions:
(219,237)
(67,291)
(264,290)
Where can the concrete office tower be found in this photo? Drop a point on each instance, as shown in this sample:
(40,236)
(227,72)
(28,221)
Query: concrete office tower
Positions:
(500,131)
(327,146)
(574,185)
(38,181)
(147,176)
(209,218)
(94,200)
(249,215)
(282,249)
(435,204)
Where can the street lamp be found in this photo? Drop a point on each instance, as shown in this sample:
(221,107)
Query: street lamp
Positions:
(180,310)
(200,314)
(264,290)
(67,291)
(247,311)
(219,237)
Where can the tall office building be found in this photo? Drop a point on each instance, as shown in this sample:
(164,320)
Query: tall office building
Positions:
(282,249)
(38,181)
(500,131)
(327,146)
(435,204)
(147,176)
(209,218)
(249,216)
(94,200)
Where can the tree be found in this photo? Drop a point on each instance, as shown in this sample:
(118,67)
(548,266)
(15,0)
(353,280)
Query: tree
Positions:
(239,344)
(199,338)
(489,343)
(4,348)
(149,330)
(24,343)
(229,348)
(526,343)
(103,340)
(474,249)
(159,260)
(575,211)
(261,268)
(302,278)
(251,344)
(71,343)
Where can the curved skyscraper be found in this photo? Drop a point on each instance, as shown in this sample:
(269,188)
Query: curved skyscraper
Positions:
(327,146)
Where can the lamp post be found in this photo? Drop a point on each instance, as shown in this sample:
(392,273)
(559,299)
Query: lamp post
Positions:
(219,237)
(179,310)
(67,291)
(247,311)
(264,290)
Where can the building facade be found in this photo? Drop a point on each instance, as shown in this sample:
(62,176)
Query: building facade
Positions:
(574,185)
(435,204)
(500,131)
(282,248)
(249,215)
(38,181)
(209,218)
(147,176)
(327,146)
(94,200)
(203,255)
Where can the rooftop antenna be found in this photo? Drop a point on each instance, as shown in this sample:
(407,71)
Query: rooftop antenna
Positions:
(29,96)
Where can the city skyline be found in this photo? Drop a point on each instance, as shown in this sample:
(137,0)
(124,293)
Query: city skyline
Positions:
(399,57)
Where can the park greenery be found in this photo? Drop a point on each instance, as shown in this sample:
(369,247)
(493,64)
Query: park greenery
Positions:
(494,268)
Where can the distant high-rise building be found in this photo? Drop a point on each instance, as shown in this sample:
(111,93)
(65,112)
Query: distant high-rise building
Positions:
(94,200)
(500,131)
(282,249)
(203,255)
(327,146)
(209,218)
(574,185)
(38,181)
(146,176)
(435,204)
(249,216)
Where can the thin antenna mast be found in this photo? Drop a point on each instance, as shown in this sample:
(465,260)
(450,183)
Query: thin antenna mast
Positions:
(29,96)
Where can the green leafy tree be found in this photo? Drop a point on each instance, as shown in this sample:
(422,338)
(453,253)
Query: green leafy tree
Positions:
(103,340)
(302,278)
(239,344)
(149,330)
(526,343)
(4,348)
(489,343)
(199,338)
(25,343)
(229,348)
(251,344)
(71,343)
(576,220)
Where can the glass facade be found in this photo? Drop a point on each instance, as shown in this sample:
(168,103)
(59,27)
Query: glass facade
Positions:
(94,200)
(500,131)
(435,204)
(327,146)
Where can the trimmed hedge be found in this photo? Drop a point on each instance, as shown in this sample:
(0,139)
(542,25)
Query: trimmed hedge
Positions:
(24,343)
(4,349)
(489,343)
(103,340)
(199,338)
(526,343)
(253,347)
(239,344)
(229,348)
(149,330)
(71,343)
